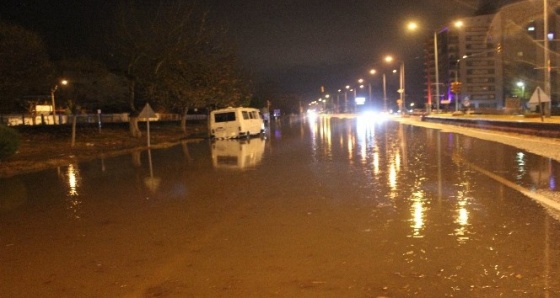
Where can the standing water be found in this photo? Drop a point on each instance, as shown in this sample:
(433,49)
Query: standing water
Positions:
(321,207)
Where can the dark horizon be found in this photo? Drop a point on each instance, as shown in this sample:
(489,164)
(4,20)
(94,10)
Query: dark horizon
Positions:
(297,46)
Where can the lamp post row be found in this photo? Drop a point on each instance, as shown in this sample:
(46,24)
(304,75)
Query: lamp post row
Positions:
(458,24)
(401,90)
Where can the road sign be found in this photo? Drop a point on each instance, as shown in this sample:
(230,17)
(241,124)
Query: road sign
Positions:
(147,112)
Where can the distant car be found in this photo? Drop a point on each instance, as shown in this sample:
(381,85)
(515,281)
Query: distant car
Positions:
(235,123)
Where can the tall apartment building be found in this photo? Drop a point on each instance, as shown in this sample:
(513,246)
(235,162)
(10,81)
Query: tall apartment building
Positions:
(496,57)
(522,44)
(466,55)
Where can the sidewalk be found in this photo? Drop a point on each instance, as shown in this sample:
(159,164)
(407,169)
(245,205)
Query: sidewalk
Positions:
(502,118)
(545,127)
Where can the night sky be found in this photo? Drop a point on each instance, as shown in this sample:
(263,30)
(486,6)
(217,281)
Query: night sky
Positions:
(306,44)
(297,45)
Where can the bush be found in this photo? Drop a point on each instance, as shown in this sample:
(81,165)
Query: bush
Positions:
(9,141)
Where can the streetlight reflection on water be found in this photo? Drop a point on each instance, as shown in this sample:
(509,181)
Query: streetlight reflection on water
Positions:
(73,179)
(379,150)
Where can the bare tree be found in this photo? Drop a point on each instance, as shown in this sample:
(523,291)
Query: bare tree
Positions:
(174,58)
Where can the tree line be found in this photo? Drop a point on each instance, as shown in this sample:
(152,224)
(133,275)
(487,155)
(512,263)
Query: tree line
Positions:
(167,53)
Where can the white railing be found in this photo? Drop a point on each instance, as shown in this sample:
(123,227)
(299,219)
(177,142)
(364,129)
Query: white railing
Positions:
(28,119)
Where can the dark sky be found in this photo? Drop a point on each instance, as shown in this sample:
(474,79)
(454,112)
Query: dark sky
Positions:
(303,44)
(298,45)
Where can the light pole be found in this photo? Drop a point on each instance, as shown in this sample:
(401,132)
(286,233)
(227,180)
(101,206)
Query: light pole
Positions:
(338,101)
(401,90)
(436,65)
(546,57)
(412,26)
(384,93)
(346,98)
(372,72)
(458,66)
(53,90)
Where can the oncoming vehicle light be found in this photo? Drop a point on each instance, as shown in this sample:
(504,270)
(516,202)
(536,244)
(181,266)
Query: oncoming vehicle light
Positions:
(373,116)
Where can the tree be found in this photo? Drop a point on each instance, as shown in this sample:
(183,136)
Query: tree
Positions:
(92,86)
(174,58)
(25,68)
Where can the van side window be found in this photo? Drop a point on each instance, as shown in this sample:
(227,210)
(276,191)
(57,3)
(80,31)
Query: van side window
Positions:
(254,115)
(245,115)
(224,117)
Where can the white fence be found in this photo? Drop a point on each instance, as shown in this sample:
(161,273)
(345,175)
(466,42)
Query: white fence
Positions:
(27,119)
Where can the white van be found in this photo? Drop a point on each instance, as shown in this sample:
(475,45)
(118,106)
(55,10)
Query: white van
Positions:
(235,123)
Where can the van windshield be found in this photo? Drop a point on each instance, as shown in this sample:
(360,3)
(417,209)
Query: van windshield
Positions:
(224,117)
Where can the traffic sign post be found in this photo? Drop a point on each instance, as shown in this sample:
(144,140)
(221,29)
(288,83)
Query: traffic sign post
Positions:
(147,113)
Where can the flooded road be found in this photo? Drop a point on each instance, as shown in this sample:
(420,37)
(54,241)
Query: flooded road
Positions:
(320,208)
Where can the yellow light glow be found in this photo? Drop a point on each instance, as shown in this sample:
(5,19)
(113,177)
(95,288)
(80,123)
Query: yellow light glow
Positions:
(412,26)
(392,176)
(73,180)
(376,163)
(418,215)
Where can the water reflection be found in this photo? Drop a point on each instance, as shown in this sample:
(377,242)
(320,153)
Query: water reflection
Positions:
(73,180)
(237,154)
(520,159)
(418,212)
(152,182)
(410,204)
(381,152)
(73,175)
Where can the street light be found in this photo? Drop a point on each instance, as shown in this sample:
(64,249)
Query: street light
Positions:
(521,85)
(53,90)
(346,98)
(338,101)
(401,90)
(384,93)
(371,72)
(412,26)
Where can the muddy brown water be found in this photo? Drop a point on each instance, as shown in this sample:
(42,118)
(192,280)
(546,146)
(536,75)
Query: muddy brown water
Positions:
(318,208)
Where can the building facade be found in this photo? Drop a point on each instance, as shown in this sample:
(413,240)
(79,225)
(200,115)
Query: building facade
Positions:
(495,57)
